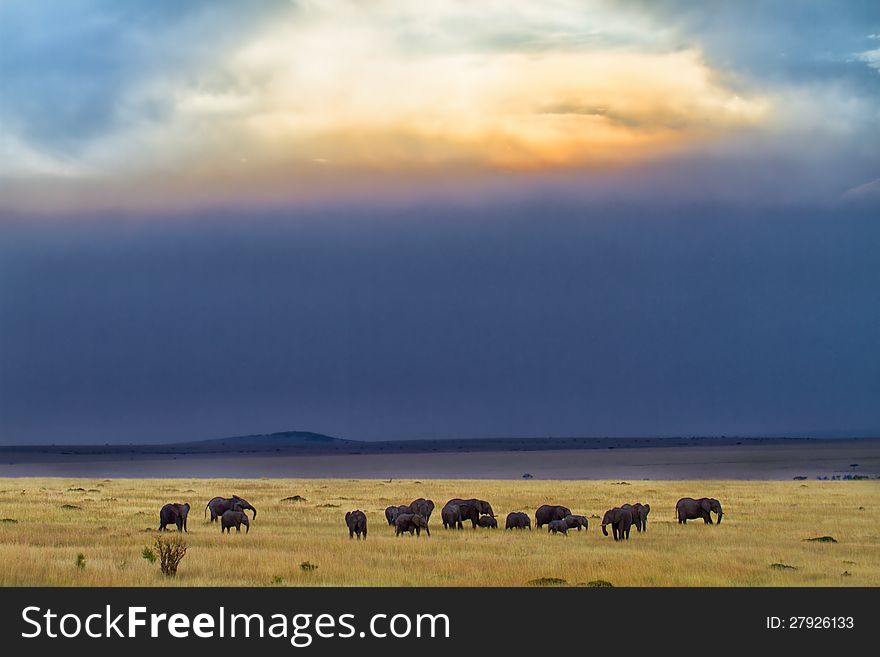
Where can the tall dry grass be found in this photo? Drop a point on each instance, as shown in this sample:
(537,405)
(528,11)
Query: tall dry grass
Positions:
(113,520)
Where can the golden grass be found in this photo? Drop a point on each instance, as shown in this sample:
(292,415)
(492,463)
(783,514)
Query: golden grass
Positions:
(765,523)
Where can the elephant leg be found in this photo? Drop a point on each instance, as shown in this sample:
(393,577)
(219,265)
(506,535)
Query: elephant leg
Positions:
(418,531)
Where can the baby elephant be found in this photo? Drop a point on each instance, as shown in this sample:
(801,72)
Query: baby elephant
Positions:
(558,526)
(357,524)
(575,521)
(234,518)
(173,514)
(411,522)
(518,520)
(488,521)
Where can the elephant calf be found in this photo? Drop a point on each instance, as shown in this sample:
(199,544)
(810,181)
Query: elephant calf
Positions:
(557,527)
(620,520)
(411,522)
(357,524)
(451,516)
(575,521)
(173,514)
(518,520)
(488,521)
(236,519)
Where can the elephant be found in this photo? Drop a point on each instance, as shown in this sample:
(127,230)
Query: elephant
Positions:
(174,514)
(471,509)
(219,505)
(409,522)
(423,507)
(488,521)
(451,516)
(575,521)
(357,523)
(688,508)
(234,518)
(518,520)
(557,526)
(547,513)
(392,512)
(620,520)
(640,515)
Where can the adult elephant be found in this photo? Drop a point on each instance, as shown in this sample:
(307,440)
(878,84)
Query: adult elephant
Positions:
(220,505)
(173,514)
(450,514)
(687,508)
(471,509)
(356,521)
(620,520)
(547,513)
(423,507)
(639,513)
(391,513)
(518,520)
(640,516)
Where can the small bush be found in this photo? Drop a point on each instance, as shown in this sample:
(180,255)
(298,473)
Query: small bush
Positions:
(277,579)
(171,552)
(9,520)
(822,539)
(782,566)
(76,490)
(80,561)
(308,566)
(294,498)
(149,555)
(327,506)
(547,581)
(600,584)
(71,507)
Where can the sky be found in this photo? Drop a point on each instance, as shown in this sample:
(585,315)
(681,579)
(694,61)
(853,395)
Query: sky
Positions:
(402,219)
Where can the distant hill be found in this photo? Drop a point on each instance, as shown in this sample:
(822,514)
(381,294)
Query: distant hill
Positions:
(309,443)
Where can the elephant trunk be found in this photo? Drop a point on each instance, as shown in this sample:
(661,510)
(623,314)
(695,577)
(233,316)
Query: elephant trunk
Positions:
(720,514)
(604,531)
(254,510)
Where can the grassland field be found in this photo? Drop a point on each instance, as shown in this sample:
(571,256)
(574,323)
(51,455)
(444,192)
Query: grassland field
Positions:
(46,523)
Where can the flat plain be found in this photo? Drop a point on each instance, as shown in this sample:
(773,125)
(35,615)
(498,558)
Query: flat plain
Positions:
(47,523)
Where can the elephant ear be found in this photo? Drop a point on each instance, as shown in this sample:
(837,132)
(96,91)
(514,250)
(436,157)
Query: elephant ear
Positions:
(706,504)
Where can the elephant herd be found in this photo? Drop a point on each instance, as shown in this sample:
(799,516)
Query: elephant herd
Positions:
(412,518)
(230,512)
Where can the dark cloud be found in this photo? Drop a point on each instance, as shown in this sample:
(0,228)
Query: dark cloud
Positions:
(538,318)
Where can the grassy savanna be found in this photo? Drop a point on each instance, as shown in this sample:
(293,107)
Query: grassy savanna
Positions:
(47,523)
